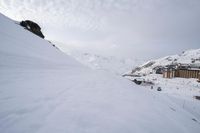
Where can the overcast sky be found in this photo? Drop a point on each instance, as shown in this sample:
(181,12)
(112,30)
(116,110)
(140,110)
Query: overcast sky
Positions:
(125,28)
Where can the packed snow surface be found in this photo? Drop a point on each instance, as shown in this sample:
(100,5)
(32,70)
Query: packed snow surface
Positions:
(43,90)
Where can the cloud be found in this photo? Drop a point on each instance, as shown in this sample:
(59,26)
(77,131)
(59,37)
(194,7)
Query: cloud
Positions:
(147,28)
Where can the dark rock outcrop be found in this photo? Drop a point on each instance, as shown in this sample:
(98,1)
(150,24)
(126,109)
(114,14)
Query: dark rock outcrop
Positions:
(33,27)
(197,97)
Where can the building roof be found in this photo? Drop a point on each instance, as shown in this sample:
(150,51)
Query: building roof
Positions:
(194,66)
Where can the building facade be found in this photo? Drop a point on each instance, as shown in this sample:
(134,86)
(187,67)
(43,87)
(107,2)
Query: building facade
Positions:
(199,78)
(182,71)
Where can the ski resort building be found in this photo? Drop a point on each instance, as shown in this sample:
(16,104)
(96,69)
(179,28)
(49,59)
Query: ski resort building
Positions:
(183,71)
(199,78)
(169,71)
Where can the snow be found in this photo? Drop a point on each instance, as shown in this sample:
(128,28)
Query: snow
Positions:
(45,91)
(111,64)
(100,61)
(179,90)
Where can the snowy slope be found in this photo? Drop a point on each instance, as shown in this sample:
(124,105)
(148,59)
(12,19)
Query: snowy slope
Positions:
(100,61)
(186,57)
(44,91)
(109,64)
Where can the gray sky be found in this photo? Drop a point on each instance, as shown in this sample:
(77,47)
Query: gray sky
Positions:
(125,28)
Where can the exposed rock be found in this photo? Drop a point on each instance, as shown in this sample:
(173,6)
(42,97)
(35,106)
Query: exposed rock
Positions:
(159,89)
(33,27)
(197,97)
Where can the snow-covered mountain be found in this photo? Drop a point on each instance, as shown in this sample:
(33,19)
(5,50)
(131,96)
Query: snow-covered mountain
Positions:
(42,90)
(99,61)
(186,57)
(109,64)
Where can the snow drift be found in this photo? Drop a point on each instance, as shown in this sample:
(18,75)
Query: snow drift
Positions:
(44,91)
